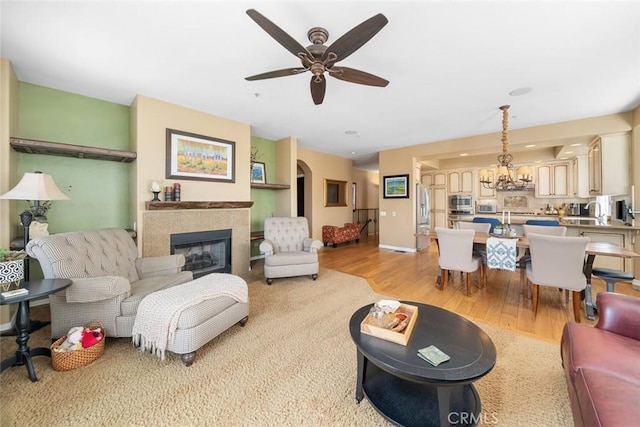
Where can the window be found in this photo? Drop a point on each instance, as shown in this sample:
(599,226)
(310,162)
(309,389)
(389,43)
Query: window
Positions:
(335,193)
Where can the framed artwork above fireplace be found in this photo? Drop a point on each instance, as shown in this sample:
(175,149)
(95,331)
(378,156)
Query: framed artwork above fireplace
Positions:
(198,157)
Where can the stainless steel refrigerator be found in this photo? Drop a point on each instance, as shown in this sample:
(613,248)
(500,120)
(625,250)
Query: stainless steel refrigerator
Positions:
(423,220)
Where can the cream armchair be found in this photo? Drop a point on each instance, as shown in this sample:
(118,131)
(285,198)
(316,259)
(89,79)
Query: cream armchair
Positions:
(109,280)
(288,249)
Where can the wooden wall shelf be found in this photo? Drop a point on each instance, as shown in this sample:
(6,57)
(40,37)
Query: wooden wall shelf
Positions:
(32,146)
(173,206)
(270,186)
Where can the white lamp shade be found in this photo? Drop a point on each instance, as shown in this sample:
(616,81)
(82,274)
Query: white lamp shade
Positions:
(35,186)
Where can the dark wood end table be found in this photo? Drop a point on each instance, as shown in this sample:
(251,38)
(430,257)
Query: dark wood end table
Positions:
(407,390)
(23,355)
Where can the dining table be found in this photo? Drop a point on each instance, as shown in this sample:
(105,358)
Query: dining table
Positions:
(593,249)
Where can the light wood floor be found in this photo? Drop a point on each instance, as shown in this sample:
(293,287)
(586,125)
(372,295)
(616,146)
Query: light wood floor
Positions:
(411,276)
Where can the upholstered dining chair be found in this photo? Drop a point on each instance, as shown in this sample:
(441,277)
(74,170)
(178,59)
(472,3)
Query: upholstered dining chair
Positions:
(492,221)
(557,262)
(548,228)
(455,249)
(478,249)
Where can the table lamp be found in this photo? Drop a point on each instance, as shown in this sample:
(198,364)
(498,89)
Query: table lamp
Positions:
(36,187)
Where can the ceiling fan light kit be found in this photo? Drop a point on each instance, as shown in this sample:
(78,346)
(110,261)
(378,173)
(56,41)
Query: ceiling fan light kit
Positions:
(318,58)
(507,177)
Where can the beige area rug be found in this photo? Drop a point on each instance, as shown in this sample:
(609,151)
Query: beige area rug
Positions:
(293,364)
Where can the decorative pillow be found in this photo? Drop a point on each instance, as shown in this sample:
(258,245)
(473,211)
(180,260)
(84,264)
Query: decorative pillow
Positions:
(38,229)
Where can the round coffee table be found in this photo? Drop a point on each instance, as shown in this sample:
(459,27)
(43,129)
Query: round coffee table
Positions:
(23,354)
(409,391)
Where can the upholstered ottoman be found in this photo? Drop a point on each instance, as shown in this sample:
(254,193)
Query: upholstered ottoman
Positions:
(183,318)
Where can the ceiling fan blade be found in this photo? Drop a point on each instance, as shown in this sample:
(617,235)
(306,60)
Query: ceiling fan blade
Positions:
(318,88)
(356,76)
(356,37)
(277,73)
(278,34)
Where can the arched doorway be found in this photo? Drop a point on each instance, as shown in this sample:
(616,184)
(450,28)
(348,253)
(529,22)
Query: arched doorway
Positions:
(304,192)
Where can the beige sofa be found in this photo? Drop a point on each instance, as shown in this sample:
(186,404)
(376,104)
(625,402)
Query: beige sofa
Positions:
(109,279)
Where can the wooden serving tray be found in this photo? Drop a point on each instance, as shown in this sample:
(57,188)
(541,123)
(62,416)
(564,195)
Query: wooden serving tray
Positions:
(370,326)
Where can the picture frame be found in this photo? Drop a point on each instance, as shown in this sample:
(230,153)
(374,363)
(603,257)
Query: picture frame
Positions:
(396,186)
(335,193)
(258,173)
(200,158)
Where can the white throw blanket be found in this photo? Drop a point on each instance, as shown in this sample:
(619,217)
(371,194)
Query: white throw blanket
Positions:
(501,253)
(158,313)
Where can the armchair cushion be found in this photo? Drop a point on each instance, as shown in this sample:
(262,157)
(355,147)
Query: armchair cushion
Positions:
(159,265)
(97,288)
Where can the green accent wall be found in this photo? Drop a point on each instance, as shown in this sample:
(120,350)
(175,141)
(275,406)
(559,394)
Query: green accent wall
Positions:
(98,189)
(264,202)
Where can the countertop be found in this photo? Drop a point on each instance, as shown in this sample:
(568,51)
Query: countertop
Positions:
(519,219)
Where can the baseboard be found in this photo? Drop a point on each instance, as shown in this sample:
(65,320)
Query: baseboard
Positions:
(397,248)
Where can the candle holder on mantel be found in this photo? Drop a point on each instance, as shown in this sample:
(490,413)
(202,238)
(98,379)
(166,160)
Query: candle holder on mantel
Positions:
(155,196)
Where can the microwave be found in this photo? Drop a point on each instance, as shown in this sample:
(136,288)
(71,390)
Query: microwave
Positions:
(461,203)
(490,209)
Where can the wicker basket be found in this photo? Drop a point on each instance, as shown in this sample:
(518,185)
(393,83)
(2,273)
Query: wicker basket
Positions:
(78,358)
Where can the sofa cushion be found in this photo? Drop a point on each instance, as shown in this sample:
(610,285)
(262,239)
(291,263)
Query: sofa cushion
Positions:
(290,258)
(603,398)
(587,347)
(144,287)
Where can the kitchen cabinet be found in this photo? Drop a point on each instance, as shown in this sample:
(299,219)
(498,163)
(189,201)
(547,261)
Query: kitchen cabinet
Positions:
(580,177)
(487,193)
(435,179)
(552,180)
(438,206)
(609,165)
(460,181)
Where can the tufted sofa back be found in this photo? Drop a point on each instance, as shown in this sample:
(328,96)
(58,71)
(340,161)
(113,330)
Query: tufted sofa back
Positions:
(95,253)
(286,233)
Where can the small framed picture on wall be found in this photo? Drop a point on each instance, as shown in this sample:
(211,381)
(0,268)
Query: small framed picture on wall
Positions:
(396,187)
(258,173)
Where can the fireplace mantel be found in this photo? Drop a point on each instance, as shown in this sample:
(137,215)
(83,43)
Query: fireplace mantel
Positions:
(172,206)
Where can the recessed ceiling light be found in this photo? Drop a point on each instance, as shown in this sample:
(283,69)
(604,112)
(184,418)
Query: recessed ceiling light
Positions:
(576,145)
(520,91)
(530,146)
(568,152)
(463,154)
(353,152)
(350,132)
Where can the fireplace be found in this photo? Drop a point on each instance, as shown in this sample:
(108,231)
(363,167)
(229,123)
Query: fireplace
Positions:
(205,252)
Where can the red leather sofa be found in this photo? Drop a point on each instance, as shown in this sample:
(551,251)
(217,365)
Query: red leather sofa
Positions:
(602,364)
(336,235)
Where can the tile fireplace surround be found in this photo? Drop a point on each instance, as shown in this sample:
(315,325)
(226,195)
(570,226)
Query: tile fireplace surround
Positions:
(161,219)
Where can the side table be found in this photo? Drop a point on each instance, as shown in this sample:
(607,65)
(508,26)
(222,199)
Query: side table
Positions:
(23,355)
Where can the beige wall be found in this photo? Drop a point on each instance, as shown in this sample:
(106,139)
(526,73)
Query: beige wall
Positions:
(286,154)
(397,231)
(368,186)
(149,120)
(325,166)
(9,225)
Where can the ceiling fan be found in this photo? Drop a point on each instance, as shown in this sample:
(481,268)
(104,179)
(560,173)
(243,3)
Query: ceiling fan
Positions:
(319,58)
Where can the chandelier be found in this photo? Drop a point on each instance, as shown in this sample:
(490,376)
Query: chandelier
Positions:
(506,176)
